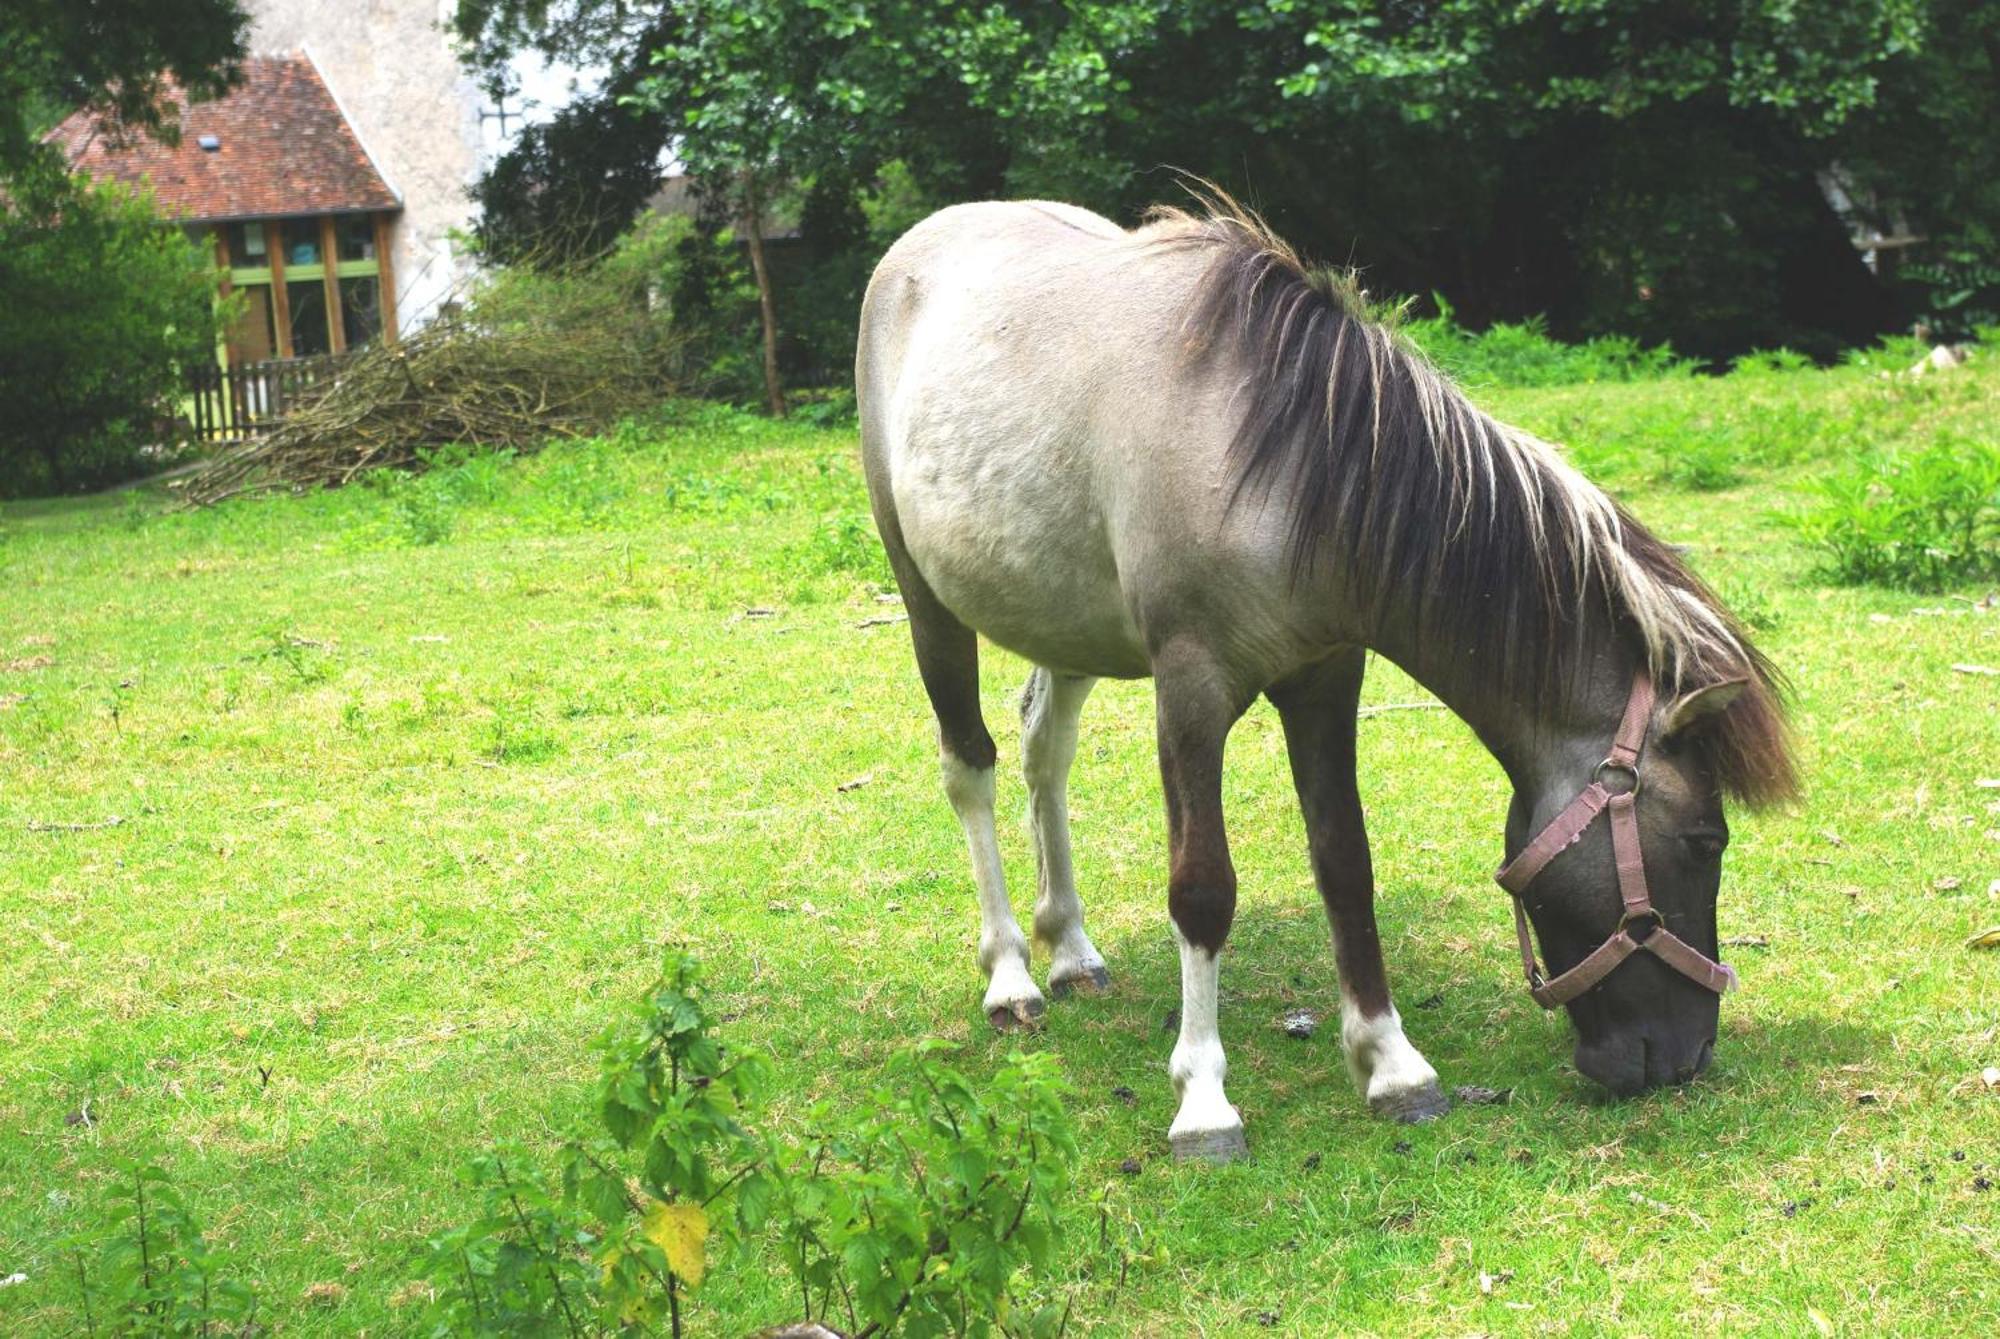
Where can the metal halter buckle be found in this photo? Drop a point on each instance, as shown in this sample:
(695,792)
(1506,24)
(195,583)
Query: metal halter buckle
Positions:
(1611,766)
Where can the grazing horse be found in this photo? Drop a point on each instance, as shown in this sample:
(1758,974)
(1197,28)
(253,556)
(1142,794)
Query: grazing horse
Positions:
(1176,451)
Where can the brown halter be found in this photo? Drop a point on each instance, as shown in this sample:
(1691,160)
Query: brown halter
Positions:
(1622,766)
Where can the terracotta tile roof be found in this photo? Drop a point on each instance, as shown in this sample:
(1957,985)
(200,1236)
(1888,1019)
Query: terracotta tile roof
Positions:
(284,149)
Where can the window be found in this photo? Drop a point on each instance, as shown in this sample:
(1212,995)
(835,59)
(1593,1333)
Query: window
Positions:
(247,250)
(354,237)
(313,284)
(361,308)
(311,335)
(301,243)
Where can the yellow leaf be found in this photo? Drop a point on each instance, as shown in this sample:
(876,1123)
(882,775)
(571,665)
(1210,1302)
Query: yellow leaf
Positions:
(1985,939)
(679,1230)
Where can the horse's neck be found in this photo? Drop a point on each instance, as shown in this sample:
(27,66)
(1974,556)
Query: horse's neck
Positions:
(1532,737)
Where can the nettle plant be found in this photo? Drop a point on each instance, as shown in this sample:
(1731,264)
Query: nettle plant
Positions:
(920,1216)
(148,1269)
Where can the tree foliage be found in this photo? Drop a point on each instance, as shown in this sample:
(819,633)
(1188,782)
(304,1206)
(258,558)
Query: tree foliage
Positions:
(103,305)
(112,56)
(1618,165)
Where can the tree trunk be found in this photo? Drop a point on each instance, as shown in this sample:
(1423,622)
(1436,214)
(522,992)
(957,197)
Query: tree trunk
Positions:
(774,392)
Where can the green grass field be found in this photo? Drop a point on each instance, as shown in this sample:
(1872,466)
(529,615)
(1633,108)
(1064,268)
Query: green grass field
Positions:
(333,827)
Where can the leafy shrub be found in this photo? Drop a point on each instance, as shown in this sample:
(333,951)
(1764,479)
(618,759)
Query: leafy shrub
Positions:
(916,1217)
(1766,361)
(106,305)
(1523,354)
(1922,520)
(153,1272)
(846,544)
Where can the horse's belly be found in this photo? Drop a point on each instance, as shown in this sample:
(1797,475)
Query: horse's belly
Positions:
(1019,553)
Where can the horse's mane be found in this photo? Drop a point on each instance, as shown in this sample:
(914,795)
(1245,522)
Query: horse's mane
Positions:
(1501,542)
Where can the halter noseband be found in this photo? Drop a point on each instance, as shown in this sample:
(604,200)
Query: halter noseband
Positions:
(1621,767)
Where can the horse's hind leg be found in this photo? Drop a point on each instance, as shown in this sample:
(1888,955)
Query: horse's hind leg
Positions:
(948,661)
(1318,710)
(1050,706)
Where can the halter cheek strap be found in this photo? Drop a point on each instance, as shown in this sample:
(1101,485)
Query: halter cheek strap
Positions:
(1613,789)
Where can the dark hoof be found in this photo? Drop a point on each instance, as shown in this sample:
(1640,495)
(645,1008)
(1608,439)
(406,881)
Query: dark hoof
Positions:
(1089,982)
(1025,1015)
(1216,1146)
(1412,1106)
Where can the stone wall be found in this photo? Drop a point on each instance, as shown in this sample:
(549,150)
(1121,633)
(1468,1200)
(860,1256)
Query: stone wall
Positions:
(390,66)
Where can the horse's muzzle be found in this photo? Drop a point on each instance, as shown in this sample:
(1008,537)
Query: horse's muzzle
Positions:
(1630,1063)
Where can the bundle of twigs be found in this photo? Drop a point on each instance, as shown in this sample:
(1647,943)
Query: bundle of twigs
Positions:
(465,380)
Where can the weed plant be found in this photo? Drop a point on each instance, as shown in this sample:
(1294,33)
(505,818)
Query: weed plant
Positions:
(1923,520)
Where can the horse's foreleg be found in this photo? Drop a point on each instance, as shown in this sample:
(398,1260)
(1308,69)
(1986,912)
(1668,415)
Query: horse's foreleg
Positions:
(1049,710)
(1318,710)
(1194,715)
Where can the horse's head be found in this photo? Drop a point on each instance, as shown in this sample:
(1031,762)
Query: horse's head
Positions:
(1629,936)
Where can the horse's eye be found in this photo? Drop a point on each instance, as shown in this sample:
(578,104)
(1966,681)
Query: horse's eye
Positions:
(1707,845)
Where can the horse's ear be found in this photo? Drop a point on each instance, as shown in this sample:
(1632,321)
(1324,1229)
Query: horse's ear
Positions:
(1691,709)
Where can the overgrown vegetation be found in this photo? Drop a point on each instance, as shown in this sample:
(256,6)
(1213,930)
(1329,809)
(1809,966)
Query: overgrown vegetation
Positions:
(1523,354)
(930,1212)
(1927,519)
(148,1270)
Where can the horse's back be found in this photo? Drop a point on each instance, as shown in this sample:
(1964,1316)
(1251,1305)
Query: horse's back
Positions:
(982,373)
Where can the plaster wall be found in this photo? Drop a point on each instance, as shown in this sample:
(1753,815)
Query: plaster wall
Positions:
(390,66)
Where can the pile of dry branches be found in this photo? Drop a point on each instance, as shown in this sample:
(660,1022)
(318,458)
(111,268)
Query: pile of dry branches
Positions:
(493,377)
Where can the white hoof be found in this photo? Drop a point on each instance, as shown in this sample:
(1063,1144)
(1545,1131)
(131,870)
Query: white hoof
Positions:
(1012,1001)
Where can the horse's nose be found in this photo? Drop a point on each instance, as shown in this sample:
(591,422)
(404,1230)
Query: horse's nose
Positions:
(1684,1068)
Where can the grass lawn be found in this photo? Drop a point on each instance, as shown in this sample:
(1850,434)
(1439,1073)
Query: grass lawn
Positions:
(380,799)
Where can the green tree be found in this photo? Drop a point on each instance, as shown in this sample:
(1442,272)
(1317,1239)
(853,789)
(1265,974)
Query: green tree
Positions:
(115,57)
(102,303)
(1620,165)
(103,306)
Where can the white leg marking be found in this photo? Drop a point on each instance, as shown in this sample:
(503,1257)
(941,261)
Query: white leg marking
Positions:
(1049,715)
(1206,1126)
(1011,996)
(1394,1076)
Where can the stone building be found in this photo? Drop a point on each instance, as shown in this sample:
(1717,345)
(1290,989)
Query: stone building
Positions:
(333,182)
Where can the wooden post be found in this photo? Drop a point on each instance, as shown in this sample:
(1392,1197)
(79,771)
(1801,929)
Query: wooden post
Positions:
(774,394)
(386,278)
(336,327)
(220,235)
(281,302)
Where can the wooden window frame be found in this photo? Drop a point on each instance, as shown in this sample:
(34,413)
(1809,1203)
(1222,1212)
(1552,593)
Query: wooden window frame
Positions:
(330,271)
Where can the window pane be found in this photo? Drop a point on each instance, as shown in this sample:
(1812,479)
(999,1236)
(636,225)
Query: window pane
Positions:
(361,309)
(250,338)
(247,249)
(301,241)
(310,335)
(354,237)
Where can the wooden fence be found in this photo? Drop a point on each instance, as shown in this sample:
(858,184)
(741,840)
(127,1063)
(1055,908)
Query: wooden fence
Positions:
(236,403)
